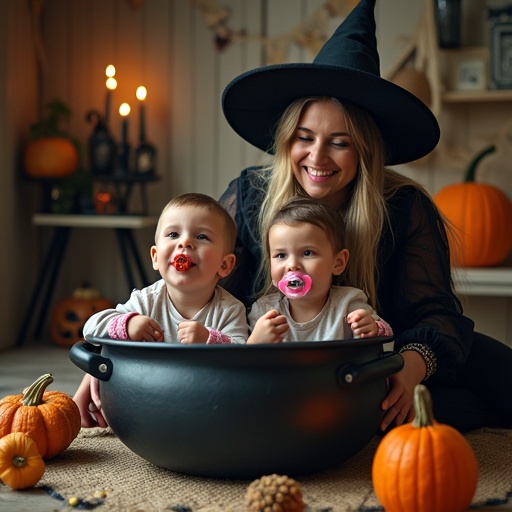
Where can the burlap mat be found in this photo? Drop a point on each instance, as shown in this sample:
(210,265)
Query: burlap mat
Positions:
(98,461)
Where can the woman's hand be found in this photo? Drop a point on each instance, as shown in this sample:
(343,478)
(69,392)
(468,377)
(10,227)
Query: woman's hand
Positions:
(270,328)
(190,331)
(398,404)
(87,398)
(144,328)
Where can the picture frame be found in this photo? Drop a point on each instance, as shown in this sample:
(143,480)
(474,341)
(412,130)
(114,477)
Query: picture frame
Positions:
(469,69)
(500,45)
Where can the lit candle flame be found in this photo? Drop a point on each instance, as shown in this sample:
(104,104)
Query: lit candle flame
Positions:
(111,83)
(124,109)
(110,71)
(141,93)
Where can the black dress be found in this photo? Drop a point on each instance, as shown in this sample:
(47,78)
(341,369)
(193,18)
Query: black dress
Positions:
(472,383)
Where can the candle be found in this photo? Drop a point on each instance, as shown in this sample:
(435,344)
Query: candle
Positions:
(124,149)
(141,96)
(124,110)
(111,84)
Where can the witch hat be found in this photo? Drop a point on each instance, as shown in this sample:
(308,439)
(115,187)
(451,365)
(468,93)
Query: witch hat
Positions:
(347,68)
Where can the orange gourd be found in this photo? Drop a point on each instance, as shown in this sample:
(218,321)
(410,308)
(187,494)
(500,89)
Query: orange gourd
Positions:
(51,153)
(21,464)
(50,418)
(482,215)
(50,157)
(424,466)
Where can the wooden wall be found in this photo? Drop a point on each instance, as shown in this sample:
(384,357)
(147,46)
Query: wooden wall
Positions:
(166,46)
(18,105)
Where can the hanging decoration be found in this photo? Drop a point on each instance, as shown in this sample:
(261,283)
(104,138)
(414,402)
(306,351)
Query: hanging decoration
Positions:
(310,34)
(36,10)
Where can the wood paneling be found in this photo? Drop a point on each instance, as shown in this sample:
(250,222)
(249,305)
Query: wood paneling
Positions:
(167,46)
(18,108)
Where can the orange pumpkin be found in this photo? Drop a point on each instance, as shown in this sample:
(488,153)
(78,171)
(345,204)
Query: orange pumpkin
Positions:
(50,157)
(424,466)
(21,464)
(70,314)
(482,216)
(50,418)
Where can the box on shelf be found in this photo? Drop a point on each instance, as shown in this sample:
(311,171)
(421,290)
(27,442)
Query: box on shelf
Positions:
(500,45)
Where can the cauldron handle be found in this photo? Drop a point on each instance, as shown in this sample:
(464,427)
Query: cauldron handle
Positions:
(355,374)
(86,356)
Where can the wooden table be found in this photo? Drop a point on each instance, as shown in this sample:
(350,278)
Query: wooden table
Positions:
(123,225)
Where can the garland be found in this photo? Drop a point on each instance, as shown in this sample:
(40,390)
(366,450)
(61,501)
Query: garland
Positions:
(310,34)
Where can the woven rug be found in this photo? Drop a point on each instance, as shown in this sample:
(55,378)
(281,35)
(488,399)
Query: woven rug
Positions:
(98,469)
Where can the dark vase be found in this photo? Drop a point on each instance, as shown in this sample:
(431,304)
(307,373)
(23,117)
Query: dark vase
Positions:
(448,17)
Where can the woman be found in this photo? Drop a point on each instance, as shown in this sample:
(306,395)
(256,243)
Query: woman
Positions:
(333,125)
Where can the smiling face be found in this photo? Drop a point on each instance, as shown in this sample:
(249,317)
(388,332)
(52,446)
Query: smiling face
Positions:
(324,158)
(305,248)
(196,235)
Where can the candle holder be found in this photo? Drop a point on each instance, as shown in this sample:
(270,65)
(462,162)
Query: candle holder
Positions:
(102,147)
(124,158)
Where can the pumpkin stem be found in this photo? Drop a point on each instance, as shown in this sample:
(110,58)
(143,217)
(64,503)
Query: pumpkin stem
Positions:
(34,393)
(423,412)
(471,172)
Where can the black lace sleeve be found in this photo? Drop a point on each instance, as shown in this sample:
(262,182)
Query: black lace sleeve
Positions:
(242,200)
(415,289)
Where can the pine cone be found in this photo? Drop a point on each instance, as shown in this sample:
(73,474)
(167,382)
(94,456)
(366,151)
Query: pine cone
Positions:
(274,493)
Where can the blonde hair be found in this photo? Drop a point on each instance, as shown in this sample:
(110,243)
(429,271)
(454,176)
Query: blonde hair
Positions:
(364,212)
(202,201)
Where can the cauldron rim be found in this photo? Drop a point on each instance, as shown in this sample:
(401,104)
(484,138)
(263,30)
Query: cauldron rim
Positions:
(157,345)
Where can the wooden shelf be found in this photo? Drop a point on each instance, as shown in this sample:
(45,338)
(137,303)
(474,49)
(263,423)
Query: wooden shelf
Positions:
(476,96)
(95,221)
(485,282)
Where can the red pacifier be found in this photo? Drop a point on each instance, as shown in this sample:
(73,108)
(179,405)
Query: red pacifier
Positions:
(182,262)
(295,284)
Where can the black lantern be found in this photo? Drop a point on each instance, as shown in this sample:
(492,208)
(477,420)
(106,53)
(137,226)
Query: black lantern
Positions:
(145,157)
(102,147)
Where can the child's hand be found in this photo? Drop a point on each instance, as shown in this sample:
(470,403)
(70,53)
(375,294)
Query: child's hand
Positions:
(362,323)
(190,331)
(270,328)
(88,400)
(144,328)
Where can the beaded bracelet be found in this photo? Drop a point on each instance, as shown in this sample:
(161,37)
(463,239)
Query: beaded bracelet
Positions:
(428,356)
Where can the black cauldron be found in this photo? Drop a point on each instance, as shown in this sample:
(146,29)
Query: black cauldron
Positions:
(241,411)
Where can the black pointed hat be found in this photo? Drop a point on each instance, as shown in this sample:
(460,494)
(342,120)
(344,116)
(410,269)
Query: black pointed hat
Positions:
(347,68)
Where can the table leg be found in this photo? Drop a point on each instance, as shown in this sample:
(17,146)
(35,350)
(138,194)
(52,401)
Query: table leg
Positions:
(136,257)
(61,244)
(123,251)
(47,274)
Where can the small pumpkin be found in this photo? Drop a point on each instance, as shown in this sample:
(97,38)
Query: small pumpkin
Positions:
(50,157)
(424,465)
(50,418)
(51,153)
(21,464)
(481,214)
(70,314)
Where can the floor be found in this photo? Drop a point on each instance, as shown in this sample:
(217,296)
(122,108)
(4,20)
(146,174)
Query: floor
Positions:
(18,369)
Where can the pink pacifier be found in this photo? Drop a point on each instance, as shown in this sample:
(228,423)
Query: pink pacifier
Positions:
(182,262)
(295,284)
